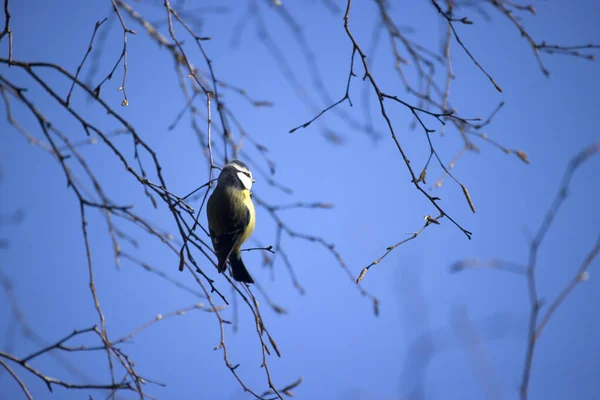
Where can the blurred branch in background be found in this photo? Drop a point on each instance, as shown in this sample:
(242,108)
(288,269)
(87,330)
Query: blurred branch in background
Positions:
(538,318)
(473,345)
(428,340)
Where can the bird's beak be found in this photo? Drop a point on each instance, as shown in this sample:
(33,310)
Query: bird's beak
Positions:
(253,181)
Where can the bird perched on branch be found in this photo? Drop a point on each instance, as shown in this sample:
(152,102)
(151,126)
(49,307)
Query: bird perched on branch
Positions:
(231,218)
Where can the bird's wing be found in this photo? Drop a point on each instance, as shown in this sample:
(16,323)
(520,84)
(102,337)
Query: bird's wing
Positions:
(225,242)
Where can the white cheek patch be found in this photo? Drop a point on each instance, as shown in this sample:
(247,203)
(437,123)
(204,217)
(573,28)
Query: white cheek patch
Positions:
(245,179)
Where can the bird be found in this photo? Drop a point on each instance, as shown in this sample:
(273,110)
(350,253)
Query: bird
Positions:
(231,218)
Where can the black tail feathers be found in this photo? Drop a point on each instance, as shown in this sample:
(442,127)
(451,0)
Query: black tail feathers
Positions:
(240,273)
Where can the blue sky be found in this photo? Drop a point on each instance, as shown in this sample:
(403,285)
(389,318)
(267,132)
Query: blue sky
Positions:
(330,336)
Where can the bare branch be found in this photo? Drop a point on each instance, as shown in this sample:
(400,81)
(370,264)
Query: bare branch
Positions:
(7,31)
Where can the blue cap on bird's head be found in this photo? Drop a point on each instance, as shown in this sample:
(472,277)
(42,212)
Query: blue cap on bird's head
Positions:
(239,164)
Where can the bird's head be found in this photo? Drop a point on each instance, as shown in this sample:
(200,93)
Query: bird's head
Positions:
(237,173)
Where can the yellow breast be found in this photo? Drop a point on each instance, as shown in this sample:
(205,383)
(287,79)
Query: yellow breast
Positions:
(252,223)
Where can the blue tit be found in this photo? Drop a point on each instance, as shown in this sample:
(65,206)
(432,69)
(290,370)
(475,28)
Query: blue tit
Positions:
(231,218)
